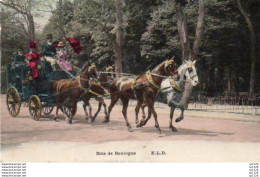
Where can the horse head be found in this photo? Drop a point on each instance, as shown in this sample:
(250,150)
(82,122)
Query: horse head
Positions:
(170,67)
(110,75)
(109,69)
(188,72)
(89,71)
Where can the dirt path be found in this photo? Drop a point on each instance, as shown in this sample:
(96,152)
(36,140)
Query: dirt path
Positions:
(202,127)
(201,137)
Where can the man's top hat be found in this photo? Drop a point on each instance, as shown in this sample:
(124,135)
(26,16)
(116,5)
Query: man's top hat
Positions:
(49,36)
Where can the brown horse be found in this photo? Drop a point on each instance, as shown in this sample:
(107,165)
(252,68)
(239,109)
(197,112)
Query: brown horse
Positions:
(144,88)
(71,91)
(105,79)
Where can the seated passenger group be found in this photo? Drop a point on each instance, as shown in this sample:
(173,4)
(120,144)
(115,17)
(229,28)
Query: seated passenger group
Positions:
(54,53)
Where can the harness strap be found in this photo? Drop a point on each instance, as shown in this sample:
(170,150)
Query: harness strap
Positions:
(135,79)
(95,93)
(80,85)
(150,80)
(69,83)
(175,86)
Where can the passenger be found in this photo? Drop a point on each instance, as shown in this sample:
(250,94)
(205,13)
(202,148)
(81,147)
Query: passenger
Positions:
(19,59)
(32,57)
(49,51)
(63,59)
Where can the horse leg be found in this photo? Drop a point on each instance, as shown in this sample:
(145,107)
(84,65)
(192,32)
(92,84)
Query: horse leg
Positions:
(57,110)
(124,111)
(150,103)
(171,116)
(63,112)
(90,111)
(73,112)
(105,107)
(99,108)
(143,111)
(85,110)
(137,108)
(114,99)
(181,116)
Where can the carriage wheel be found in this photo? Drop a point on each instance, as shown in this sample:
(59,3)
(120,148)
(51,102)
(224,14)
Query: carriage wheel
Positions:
(47,110)
(13,102)
(35,107)
(67,111)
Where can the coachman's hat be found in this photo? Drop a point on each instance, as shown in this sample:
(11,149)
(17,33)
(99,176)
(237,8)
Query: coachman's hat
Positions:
(49,36)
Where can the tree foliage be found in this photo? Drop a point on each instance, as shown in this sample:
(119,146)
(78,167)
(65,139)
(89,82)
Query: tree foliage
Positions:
(150,35)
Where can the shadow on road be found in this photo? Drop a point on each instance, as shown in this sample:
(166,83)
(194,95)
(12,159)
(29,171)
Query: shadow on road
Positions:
(182,131)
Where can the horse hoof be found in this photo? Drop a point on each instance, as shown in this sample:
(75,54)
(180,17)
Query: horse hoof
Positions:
(136,122)
(158,130)
(174,129)
(142,123)
(69,121)
(105,121)
(54,118)
(130,129)
(178,119)
(92,120)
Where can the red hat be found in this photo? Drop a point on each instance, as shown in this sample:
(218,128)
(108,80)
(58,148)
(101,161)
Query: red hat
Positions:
(32,44)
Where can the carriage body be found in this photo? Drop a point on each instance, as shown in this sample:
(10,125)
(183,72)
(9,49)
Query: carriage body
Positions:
(38,93)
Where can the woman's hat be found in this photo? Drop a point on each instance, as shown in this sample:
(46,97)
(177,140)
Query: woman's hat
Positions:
(61,44)
(32,45)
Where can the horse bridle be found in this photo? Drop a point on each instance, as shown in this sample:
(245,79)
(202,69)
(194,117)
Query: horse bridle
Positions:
(191,77)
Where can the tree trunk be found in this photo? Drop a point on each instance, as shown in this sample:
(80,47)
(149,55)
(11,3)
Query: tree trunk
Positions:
(183,32)
(31,28)
(199,30)
(119,37)
(253,46)
(185,43)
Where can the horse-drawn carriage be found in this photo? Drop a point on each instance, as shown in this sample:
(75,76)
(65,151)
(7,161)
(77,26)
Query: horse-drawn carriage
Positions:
(37,94)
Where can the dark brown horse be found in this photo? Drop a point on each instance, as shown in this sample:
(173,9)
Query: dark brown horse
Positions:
(71,91)
(144,88)
(105,79)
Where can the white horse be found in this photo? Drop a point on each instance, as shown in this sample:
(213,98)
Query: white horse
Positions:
(172,91)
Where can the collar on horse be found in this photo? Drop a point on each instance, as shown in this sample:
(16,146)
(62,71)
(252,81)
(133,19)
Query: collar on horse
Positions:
(174,85)
(150,80)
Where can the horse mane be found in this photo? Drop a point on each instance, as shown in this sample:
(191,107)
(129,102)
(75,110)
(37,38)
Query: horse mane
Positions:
(85,67)
(159,65)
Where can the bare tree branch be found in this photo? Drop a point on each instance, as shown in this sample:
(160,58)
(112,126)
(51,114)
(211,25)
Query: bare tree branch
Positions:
(199,30)
(183,32)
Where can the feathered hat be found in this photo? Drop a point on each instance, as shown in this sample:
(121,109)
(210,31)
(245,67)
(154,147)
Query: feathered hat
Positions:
(32,44)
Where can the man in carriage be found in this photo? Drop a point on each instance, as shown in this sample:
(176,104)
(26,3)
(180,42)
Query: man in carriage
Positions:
(19,59)
(49,51)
